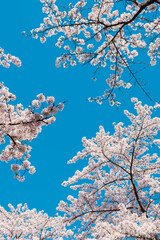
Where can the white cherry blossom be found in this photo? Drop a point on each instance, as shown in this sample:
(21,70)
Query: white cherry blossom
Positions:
(119,188)
(104,34)
(22,223)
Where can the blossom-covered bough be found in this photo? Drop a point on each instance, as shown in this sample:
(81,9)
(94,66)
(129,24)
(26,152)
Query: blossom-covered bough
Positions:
(22,223)
(102,32)
(22,125)
(6,59)
(119,188)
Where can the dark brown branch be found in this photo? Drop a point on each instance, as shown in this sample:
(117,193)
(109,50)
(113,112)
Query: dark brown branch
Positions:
(114,163)
(96,211)
(108,183)
(131,174)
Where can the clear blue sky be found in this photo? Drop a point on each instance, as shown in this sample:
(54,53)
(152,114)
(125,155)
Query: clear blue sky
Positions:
(59,142)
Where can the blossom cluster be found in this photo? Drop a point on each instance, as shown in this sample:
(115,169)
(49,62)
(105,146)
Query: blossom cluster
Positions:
(118,189)
(6,59)
(102,33)
(22,223)
(21,125)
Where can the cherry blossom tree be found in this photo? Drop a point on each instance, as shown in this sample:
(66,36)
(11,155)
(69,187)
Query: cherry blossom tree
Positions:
(119,188)
(103,33)
(22,223)
(21,125)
